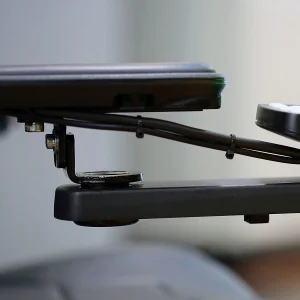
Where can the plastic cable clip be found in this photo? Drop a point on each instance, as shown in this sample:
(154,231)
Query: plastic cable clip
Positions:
(231,149)
(139,128)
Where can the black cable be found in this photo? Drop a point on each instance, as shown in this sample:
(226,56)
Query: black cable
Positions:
(166,130)
(178,129)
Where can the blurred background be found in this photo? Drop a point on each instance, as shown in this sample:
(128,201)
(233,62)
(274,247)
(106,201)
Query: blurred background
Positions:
(255,44)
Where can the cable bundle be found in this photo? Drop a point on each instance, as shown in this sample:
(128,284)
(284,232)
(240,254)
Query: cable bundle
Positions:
(163,129)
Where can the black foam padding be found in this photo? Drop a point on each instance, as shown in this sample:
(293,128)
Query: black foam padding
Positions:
(174,200)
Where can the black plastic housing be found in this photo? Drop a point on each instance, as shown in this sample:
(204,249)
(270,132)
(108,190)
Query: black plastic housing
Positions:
(283,123)
(112,88)
(175,200)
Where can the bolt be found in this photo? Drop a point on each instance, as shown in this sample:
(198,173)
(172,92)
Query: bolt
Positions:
(34,127)
(51,141)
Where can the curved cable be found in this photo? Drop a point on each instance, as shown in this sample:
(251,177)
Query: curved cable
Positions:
(163,129)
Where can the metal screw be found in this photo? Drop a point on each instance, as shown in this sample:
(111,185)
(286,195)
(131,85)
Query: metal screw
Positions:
(51,141)
(34,127)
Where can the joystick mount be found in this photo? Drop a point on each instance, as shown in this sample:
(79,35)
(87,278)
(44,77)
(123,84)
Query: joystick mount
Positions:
(63,146)
(108,198)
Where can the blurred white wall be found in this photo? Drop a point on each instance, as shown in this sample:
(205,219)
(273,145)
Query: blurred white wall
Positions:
(54,32)
(256,45)
(253,43)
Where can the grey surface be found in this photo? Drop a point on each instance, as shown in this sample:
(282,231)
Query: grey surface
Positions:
(106,72)
(134,272)
(29,293)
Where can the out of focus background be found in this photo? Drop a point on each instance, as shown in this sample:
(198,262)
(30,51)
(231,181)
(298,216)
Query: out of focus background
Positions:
(255,44)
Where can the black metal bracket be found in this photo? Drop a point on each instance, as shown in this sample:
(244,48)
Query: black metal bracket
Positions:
(63,145)
(59,151)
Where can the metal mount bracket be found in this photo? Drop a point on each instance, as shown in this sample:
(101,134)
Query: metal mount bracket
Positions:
(63,146)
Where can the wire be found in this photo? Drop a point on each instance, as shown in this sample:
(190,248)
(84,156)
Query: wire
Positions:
(162,129)
(179,129)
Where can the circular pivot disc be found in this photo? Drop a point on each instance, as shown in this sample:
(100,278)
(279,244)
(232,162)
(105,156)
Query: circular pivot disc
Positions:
(109,177)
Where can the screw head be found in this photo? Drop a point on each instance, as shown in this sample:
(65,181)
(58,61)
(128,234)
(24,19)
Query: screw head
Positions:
(34,127)
(51,141)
